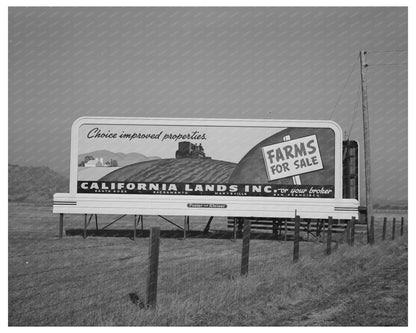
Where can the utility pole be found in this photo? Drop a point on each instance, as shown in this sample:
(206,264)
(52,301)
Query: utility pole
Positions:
(366,125)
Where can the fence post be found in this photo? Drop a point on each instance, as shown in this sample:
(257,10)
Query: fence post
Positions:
(154,240)
(371,234)
(235,229)
(393,232)
(384,228)
(61,225)
(348,230)
(401,226)
(134,227)
(352,230)
(296,239)
(329,236)
(184,227)
(285,230)
(246,247)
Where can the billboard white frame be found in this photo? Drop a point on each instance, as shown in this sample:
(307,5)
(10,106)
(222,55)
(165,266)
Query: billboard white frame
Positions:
(200,205)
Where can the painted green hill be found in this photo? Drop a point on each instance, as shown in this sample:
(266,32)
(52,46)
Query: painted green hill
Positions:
(175,170)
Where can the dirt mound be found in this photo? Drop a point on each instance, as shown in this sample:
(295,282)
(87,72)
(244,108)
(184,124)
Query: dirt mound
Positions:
(35,184)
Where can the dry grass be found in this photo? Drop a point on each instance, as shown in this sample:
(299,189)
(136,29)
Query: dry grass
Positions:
(88,282)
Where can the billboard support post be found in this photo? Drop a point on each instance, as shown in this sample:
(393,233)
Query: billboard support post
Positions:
(185,226)
(134,227)
(235,229)
(61,225)
(96,223)
(296,239)
(285,230)
(85,226)
(329,236)
(206,229)
(352,238)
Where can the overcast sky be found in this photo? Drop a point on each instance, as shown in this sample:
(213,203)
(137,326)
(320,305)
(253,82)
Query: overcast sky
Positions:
(272,63)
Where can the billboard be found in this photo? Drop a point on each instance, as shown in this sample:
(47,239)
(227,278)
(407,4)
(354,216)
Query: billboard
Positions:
(206,167)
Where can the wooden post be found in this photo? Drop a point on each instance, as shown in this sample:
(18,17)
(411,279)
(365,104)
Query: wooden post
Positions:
(96,224)
(134,227)
(206,229)
(348,230)
(309,224)
(323,231)
(296,239)
(401,226)
(393,232)
(85,226)
(240,226)
(329,236)
(352,231)
(187,223)
(366,128)
(235,229)
(246,247)
(371,234)
(154,240)
(141,221)
(285,230)
(383,237)
(184,228)
(61,225)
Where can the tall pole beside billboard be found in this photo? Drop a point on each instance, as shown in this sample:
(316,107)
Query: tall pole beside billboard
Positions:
(366,127)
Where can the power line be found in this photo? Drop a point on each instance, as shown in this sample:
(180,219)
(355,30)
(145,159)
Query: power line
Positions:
(389,64)
(357,99)
(385,51)
(342,91)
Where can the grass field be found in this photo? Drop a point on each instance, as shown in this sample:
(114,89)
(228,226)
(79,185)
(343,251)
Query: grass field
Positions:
(101,280)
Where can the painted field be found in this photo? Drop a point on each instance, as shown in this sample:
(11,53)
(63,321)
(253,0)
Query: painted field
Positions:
(175,170)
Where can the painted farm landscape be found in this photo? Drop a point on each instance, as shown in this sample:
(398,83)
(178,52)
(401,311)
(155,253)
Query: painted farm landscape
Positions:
(171,170)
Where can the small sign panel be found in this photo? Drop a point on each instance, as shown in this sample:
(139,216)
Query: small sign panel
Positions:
(206,205)
(292,158)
